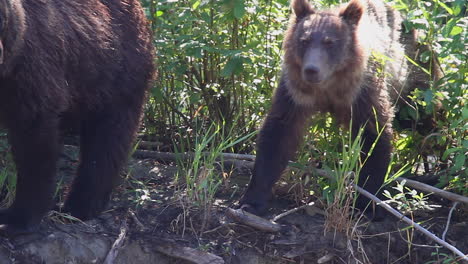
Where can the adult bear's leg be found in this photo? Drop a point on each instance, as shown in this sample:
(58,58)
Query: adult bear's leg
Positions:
(106,138)
(35,148)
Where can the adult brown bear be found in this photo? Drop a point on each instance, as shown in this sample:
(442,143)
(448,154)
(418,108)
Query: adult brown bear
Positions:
(333,63)
(86,63)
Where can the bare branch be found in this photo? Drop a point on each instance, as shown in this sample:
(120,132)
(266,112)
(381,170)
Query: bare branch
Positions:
(276,218)
(118,243)
(448,220)
(252,220)
(410,222)
(428,188)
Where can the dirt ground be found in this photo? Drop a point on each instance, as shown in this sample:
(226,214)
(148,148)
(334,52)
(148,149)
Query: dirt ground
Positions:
(148,223)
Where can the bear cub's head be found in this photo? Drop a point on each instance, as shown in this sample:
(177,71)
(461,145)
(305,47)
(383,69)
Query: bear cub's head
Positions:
(321,43)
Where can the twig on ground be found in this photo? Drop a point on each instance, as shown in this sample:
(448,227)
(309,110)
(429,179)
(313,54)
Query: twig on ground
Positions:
(410,222)
(407,241)
(434,190)
(448,220)
(276,218)
(149,144)
(218,228)
(250,246)
(118,243)
(172,249)
(136,220)
(326,258)
(252,220)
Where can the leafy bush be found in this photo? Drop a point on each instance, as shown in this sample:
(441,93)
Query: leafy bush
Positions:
(440,114)
(217,60)
(220,60)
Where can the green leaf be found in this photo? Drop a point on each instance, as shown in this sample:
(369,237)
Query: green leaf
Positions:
(465,112)
(157,94)
(459,161)
(239,9)
(450,151)
(428,95)
(447,29)
(195,5)
(158,13)
(413,113)
(194,98)
(210,49)
(233,66)
(457,7)
(417,65)
(456,30)
(465,144)
(425,56)
(448,9)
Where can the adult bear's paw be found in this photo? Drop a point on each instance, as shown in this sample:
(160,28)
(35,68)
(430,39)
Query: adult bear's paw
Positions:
(255,208)
(85,206)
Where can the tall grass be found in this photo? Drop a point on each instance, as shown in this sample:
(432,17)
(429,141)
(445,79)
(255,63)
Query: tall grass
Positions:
(200,177)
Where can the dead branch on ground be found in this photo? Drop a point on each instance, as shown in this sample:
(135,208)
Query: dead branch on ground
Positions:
(448,220)
(276,218)
(411,223)
(252,220)
(172,249)
(118,243)
(430,189)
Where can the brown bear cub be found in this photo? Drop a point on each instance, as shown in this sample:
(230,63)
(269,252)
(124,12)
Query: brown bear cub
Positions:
(330,66)
(84,63)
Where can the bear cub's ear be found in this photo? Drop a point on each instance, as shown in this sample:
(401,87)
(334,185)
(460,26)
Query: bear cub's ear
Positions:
(352,12)
(302,8)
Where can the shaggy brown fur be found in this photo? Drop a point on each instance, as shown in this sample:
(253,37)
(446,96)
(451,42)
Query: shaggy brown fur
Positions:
(86,63)
(333,63)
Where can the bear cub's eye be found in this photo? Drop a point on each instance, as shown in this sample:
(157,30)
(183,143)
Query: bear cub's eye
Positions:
(328,41)
(304,41)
